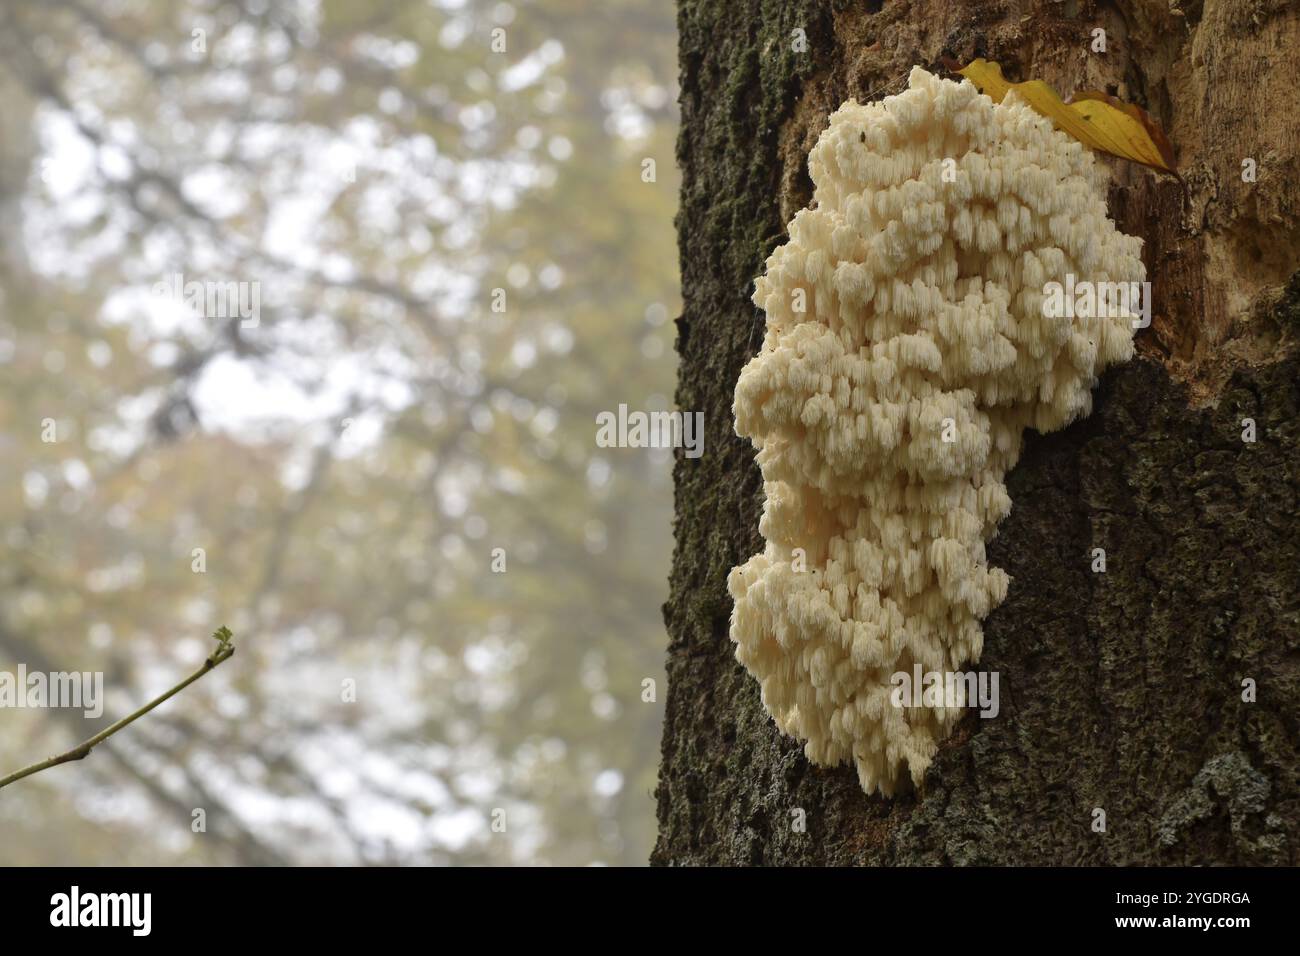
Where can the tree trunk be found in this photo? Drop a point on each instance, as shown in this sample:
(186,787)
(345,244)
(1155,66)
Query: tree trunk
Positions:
(1120,690)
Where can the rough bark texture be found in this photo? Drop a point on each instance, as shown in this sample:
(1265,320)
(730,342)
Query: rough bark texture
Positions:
(1120,691)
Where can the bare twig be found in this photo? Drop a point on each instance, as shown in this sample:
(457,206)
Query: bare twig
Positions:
(224,650)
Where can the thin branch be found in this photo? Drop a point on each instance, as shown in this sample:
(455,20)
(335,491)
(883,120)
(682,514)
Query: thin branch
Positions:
(80,752)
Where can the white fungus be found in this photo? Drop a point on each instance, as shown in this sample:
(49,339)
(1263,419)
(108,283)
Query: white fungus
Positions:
(888,410)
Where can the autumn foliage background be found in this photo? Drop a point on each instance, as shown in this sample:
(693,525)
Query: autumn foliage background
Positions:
(348,465)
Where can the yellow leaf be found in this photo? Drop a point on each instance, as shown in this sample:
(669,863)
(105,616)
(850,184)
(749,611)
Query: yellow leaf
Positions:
(1094,119)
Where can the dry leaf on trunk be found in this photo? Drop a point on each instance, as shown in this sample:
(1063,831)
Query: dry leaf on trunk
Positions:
(1095,119)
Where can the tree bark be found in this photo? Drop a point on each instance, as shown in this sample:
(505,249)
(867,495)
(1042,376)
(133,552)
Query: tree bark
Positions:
(1120,690)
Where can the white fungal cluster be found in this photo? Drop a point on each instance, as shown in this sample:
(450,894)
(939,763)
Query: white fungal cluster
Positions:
(906,352)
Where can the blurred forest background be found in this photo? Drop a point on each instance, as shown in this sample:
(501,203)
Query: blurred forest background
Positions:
(349,464)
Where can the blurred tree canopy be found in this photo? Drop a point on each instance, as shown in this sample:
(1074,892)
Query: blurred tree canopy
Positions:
(461,260)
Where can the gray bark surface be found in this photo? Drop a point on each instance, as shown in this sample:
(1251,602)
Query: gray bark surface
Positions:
(1120,691)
